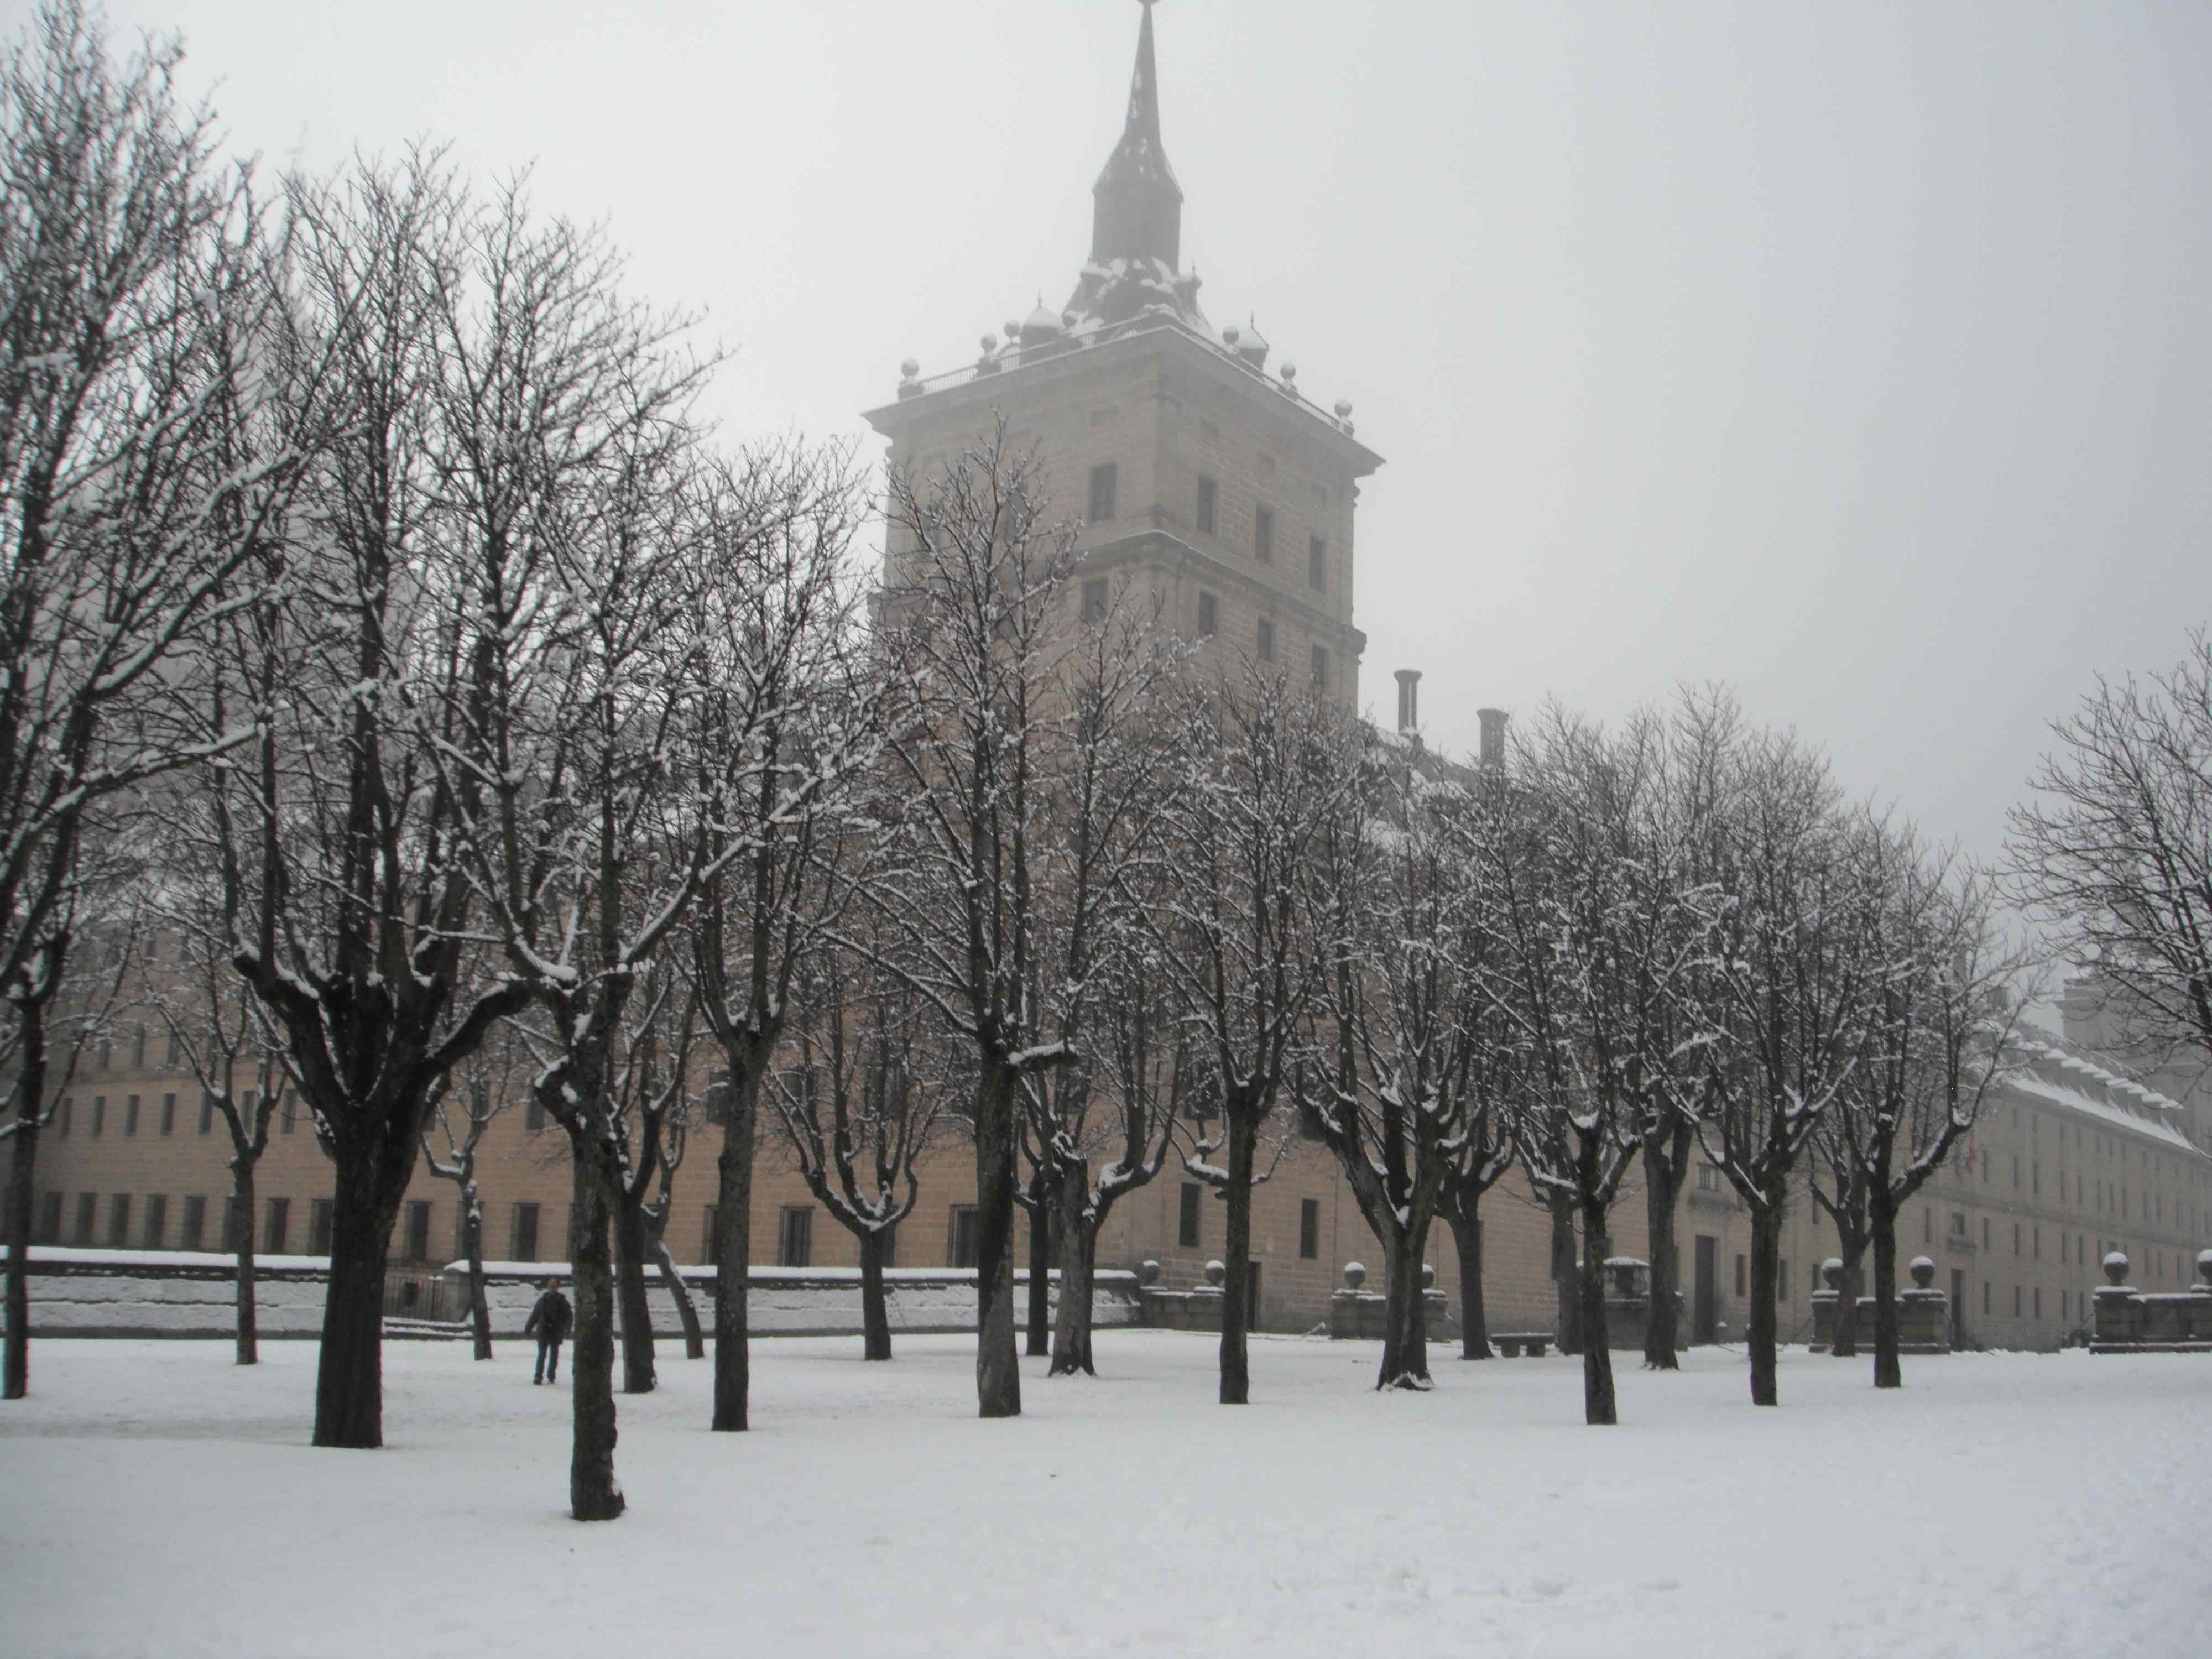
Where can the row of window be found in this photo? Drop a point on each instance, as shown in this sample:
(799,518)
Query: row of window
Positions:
(142,1222)
(129,1111)
(1105,483)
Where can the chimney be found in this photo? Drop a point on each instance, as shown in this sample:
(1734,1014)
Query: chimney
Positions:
(1493,736)
(1409,701)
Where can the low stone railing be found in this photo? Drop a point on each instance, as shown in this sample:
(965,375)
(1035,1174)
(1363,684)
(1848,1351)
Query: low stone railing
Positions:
(2128,1320)
(1358,1314)
(1924,1313)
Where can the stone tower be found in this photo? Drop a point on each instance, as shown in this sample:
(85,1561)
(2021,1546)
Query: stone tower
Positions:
(1198,474)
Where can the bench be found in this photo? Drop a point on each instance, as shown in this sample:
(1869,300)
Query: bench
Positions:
(1510,1343)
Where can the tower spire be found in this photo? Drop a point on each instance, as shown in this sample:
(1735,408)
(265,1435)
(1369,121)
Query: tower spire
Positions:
(1137,205)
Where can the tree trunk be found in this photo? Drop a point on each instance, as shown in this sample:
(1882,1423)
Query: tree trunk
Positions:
(733,1228)
(1236,1254)
(1563,1275)
(1845,1343)
(695,1339)
(1599,1405)
(472,1240)
(1405,1323)
(1765,1253)
(350,1372)
(1663,1186)
(875,1307)
(1475,1327)
(241,1244)
(1888,1371)
(594,1494)
(997,1365)
(1079,1262)
(633,1240)
(22,1193)
(1039,1320)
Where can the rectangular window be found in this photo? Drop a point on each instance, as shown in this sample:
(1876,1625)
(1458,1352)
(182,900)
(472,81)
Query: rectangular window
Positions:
(1985,1296)
(2039,1302)
(1101,492)
(1321,668)
(1094,599)
(1308,1229)
(1264,649)
(280,1220)
(176,1050)
(156,1232)
(967,1238)
(522,1233)
(119,1220)
(2035,1177)
(534,1116)
(1263,534)
(794,1246)
(50,1217)
(2015,1238)
(286,1119)
(138,1047)
(2015,1302)
(1209,496)
(191,1234)
(1928,1226)
(2016,1174)
(319,1210)
(62,1117)
(1209,616)
(99,1115)
(130,1114)
(206,1111)
(1985,1232)
(169,1115)
(88,1207)
(1316,564)
(1958,1224)
(1187,1217)
(418,1230)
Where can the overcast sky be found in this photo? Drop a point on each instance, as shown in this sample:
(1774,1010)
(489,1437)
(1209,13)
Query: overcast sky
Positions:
(1860,355)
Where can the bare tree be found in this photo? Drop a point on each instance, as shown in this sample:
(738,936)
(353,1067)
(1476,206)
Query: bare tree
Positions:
(2115,855)
(133,273)
(1235,921)
(484,1080)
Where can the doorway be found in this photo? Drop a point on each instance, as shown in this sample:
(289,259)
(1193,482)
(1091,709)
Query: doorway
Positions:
(1704,1310)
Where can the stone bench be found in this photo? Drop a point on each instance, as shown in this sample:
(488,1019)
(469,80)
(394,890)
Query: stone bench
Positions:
(1508,1344)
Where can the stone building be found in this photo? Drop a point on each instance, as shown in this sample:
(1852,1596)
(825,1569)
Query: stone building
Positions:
(1205,476)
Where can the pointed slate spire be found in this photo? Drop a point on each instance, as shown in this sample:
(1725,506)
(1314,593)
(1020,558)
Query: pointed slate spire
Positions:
(1137,205)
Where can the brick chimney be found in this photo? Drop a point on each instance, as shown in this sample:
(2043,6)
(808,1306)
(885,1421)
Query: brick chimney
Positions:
(1409,701)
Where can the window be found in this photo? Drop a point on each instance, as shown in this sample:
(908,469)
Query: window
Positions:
(1308,1229)
(130,1114)
(206,1111)
(176,1050)
(1209,616)
(2039,1302)
(1264,649)
(1741,1288)
(522,1233)
(418,1230)
(2016,1174)
(533,1115)
(2035,1177)
(2015,1302)
(119,1220)
(156,1232)
(1263,534)
(2015,1238)
(1928,1226)
(280,1218)
(1985,1296)
(87,1207)
(1094,599)
(286,1118)
(1101,492)
(1316,564)
(319,1226)
(1187,1217)
(1321,666)
(1707,1180)
(795,1243)
(99,1115)
(1985,1232)
(138,1048)
(169,1115)
(967,1238)
(64,1115)
(194,1229)
(1958,1224)
(50,1217)
(1209,497)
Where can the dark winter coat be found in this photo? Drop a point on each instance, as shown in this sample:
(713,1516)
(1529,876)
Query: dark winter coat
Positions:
(550,1317)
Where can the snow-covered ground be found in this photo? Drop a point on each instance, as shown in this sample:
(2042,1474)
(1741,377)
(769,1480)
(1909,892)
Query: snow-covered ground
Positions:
(160,1501)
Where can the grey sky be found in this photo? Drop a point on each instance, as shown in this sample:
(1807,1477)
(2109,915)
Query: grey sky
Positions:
(1857,354)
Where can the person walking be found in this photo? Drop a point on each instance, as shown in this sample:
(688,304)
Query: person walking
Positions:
(550,1317)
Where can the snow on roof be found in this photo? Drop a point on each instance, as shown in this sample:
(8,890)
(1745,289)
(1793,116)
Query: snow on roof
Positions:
(2074,1099)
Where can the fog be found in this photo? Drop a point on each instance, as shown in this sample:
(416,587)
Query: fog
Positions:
(1858,356)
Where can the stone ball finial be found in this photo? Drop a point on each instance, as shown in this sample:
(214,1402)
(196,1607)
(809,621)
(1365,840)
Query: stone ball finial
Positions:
(1216,1271)
(1011,329)
(1922,1271)
(910,367)
(1343,408)
(1428,1277)
(1289,372)
(990,343)
(1148,1272)
(1832,1270)
(2204,1267)
(1231,335)
(1355,1275)
(2116,1266)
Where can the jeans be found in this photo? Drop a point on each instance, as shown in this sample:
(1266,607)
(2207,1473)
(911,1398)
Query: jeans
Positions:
(548,1363)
